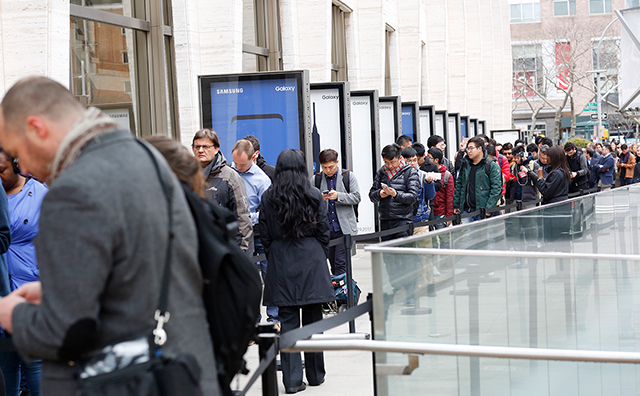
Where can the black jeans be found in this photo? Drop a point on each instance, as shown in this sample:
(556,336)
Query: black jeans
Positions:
(337,255)
(292,362)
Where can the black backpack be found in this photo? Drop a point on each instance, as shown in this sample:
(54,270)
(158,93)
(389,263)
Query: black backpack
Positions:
(346,178)
(232,287)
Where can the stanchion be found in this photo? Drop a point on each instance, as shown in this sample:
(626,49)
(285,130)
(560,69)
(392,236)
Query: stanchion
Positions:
(347,255)
(483,213)
(458,218)
(266,338)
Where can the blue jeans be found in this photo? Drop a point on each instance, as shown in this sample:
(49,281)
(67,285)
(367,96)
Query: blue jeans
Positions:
(272,312)
(12,365)
(470,219)
(439,226)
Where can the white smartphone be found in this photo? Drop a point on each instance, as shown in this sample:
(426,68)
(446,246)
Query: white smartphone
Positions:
(384,185)
(435,175)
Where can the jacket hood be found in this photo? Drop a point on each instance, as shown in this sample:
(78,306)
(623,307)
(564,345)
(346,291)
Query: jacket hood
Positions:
(215,165)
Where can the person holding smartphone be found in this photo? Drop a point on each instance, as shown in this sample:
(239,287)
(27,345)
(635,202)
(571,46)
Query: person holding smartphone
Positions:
(395,190)
(341,194)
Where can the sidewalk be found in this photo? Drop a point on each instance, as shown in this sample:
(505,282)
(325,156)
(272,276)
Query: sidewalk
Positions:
(348,372)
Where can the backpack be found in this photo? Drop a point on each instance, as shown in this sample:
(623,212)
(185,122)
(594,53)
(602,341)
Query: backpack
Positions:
(232,287)
(346,178)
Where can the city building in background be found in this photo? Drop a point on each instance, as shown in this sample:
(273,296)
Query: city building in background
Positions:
(139,60)
(554,46)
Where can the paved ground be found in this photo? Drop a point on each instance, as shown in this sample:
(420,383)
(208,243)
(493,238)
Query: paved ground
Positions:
(348,372)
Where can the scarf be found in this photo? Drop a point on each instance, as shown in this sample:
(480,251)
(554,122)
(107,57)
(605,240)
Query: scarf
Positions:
(625,158)
(392,173)
(91,124)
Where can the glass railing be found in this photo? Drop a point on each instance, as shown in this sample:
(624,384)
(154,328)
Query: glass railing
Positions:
(563,276)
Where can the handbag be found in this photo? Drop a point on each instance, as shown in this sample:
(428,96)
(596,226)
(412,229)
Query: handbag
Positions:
(137,366)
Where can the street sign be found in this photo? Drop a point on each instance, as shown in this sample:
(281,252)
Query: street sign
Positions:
(591,106)
(595,116)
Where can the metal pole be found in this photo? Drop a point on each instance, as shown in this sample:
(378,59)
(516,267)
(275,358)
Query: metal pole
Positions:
(347,255)
(269,377)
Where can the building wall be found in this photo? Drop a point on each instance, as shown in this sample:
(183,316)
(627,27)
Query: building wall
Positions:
(582,29)
(35,40)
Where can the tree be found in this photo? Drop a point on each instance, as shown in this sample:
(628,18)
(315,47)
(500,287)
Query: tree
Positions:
(554,72)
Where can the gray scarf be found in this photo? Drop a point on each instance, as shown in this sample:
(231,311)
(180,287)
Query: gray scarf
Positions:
(91,124)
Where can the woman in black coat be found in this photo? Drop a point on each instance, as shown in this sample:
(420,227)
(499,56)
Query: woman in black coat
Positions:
(295,233)
(555,187)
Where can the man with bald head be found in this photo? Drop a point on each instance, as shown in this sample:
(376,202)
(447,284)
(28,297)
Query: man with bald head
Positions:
(102,245)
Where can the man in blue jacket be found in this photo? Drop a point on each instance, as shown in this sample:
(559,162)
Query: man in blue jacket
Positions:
(606,166)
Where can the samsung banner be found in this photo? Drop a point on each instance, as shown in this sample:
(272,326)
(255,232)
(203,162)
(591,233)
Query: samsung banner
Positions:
(452,136)
(266,105)
(325,118)
(425,124)
(387,123)
(408,121)
(440,126)
(364,133)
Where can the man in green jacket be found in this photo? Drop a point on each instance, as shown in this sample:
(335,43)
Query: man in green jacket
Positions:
(479,183)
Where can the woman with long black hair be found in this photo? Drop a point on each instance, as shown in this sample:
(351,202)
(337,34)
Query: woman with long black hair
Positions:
(555,187)
(295,234)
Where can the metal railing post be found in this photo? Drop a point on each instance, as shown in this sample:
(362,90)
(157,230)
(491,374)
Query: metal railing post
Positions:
(347,255)
(266,338)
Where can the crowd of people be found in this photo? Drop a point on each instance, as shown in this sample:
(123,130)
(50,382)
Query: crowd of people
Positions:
(93,274)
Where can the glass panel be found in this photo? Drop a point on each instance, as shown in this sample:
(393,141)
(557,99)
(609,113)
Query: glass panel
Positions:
(560,8)
(510,301)
(527,12)
(103,63)
(572,7)
(596,6)
(536,11)
(130,8)
(515,13)
(607,5)
(632,3)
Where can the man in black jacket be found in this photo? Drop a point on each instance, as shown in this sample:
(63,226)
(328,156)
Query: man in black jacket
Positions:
(258,159)
(579,167)
(395,189)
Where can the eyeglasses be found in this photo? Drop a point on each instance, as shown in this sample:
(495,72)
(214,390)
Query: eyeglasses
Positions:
(413,160)
(205,147)
(471,148)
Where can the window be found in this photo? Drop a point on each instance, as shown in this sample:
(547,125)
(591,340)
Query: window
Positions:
(524,11)
(261,36)
(338,44)
(564,7)
(599,6)
(632,3)
(527,71)
(120,64)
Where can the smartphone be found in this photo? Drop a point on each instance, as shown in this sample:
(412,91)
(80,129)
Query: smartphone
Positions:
(325,192)
(384,185)
(435,175)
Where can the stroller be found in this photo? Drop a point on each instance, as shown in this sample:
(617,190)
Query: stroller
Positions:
(340,291)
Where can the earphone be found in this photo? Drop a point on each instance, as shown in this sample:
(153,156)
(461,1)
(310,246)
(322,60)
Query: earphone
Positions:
(14,165)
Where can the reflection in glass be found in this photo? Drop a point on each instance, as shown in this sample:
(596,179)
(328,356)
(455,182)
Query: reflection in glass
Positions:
(103,65)
(560,302)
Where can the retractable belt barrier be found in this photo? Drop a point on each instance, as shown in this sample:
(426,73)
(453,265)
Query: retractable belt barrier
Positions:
(455,219)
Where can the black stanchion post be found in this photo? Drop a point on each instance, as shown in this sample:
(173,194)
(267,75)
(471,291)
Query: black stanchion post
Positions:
(347,255)
(458,218)
(518,205)
(483,213)
(266,338)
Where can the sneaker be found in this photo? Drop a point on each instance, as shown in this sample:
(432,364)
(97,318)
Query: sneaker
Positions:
(296,389)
